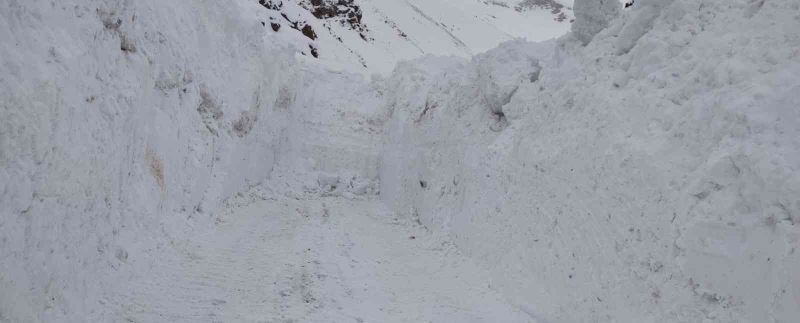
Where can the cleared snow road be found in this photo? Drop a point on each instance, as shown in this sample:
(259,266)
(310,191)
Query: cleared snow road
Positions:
(326,260)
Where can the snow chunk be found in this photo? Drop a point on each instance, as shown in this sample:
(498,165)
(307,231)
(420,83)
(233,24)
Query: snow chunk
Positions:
(592,16)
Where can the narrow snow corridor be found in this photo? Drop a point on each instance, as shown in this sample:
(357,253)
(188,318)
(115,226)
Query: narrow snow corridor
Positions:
(228,161)
(324,260)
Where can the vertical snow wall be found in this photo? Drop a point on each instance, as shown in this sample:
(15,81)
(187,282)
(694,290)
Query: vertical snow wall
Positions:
(650,176)
(125,124)
(641,169)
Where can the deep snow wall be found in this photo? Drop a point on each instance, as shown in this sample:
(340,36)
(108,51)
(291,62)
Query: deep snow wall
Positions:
(650,176)
(125,124)
(641,169)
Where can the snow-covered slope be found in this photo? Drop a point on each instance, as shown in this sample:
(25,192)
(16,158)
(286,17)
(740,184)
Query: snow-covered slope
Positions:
(643,168)
(371,36)
(651,176)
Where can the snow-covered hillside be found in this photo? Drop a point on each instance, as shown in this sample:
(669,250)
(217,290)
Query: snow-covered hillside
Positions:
(185,162)
(371,36)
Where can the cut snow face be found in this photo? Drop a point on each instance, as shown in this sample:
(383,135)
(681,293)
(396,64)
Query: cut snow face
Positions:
(648,173)
(199,161)
(371,36)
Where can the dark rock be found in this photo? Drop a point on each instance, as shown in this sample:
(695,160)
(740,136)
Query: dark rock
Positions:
(346,12)
(629,3)
(308,31)
(271,4)
(314,51)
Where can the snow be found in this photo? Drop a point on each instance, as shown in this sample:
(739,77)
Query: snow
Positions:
(183,162)
(107,153)
(404,30)
(320,260)
(649,177)
(592,16)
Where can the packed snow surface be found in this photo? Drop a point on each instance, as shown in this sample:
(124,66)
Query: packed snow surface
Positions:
(166,161)
(326,260)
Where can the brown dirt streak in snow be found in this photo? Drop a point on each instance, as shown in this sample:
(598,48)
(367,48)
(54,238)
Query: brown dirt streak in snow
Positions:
(156,167)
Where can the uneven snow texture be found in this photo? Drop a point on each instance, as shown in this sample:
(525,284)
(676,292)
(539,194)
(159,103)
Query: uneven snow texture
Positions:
(642,172)
(125,123)
(651,176)
(592,16)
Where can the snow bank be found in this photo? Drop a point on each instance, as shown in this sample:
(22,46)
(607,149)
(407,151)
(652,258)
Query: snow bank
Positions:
(642,169)
(651,176)
(124,124)
(592,16)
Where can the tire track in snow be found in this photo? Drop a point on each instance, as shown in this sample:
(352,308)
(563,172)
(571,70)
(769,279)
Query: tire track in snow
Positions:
(328,260)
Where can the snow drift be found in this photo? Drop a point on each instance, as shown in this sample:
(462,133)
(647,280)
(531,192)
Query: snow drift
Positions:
(650,176)
(124,124)
(641,169)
